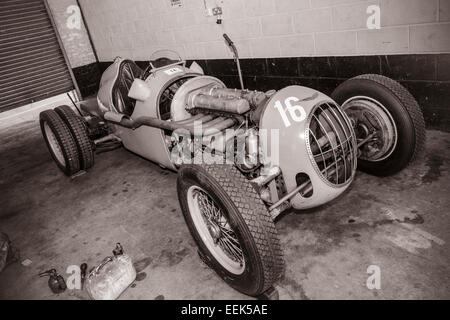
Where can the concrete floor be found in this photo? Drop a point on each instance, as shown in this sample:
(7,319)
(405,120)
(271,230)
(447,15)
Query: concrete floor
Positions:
(400,224)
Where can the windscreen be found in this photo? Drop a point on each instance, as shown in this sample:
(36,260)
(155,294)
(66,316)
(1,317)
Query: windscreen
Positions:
(164,58)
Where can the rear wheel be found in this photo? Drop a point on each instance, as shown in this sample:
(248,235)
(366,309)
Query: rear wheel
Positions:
(78,130)
(388,122)
(231,226)
(60,142)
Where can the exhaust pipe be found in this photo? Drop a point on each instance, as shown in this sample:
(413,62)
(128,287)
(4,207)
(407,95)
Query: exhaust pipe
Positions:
(207,130)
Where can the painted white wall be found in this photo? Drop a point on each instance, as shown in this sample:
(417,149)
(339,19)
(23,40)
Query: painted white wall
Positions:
(267,28)
(75,40)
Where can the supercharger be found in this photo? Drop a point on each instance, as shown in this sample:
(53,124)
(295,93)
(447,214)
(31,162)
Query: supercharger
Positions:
(294,147)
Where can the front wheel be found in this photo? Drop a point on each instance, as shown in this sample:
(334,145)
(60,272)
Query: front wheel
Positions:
(231,226)
(387,120)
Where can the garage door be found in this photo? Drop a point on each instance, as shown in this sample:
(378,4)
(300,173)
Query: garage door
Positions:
(32,65)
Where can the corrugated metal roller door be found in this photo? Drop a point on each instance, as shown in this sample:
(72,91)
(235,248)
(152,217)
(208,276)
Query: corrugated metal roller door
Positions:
(32,65)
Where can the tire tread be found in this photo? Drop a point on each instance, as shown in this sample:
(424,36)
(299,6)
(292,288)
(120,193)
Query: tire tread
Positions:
(411,105)
(67,144)
(78,130)
(256,217)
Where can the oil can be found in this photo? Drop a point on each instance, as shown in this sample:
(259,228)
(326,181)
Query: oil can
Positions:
(110,278)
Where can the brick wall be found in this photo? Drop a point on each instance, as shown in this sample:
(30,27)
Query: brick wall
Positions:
(267,28)
(75,41)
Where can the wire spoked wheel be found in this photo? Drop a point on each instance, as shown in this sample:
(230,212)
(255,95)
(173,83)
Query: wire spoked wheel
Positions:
(215,230)
(371,119)
(234,232)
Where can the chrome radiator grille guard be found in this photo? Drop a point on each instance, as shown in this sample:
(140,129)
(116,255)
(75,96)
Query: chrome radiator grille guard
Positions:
(331,144)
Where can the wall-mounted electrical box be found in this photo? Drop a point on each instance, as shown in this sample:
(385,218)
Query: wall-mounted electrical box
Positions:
(217,11)
(176,3)
(213,7)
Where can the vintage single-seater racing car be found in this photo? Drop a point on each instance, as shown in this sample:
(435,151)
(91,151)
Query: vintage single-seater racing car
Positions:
(242,157)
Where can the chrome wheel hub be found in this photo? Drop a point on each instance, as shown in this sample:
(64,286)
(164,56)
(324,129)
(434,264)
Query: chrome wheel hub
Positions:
(370,118)
(215,232)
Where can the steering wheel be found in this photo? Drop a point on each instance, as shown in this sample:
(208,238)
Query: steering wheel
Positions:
(147,72)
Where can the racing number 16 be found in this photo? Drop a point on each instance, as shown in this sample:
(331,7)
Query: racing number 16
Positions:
(296,112)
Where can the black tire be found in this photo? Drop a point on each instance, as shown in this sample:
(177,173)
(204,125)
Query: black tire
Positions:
(403,109)
(248,218)
(78,130)
(69,163)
